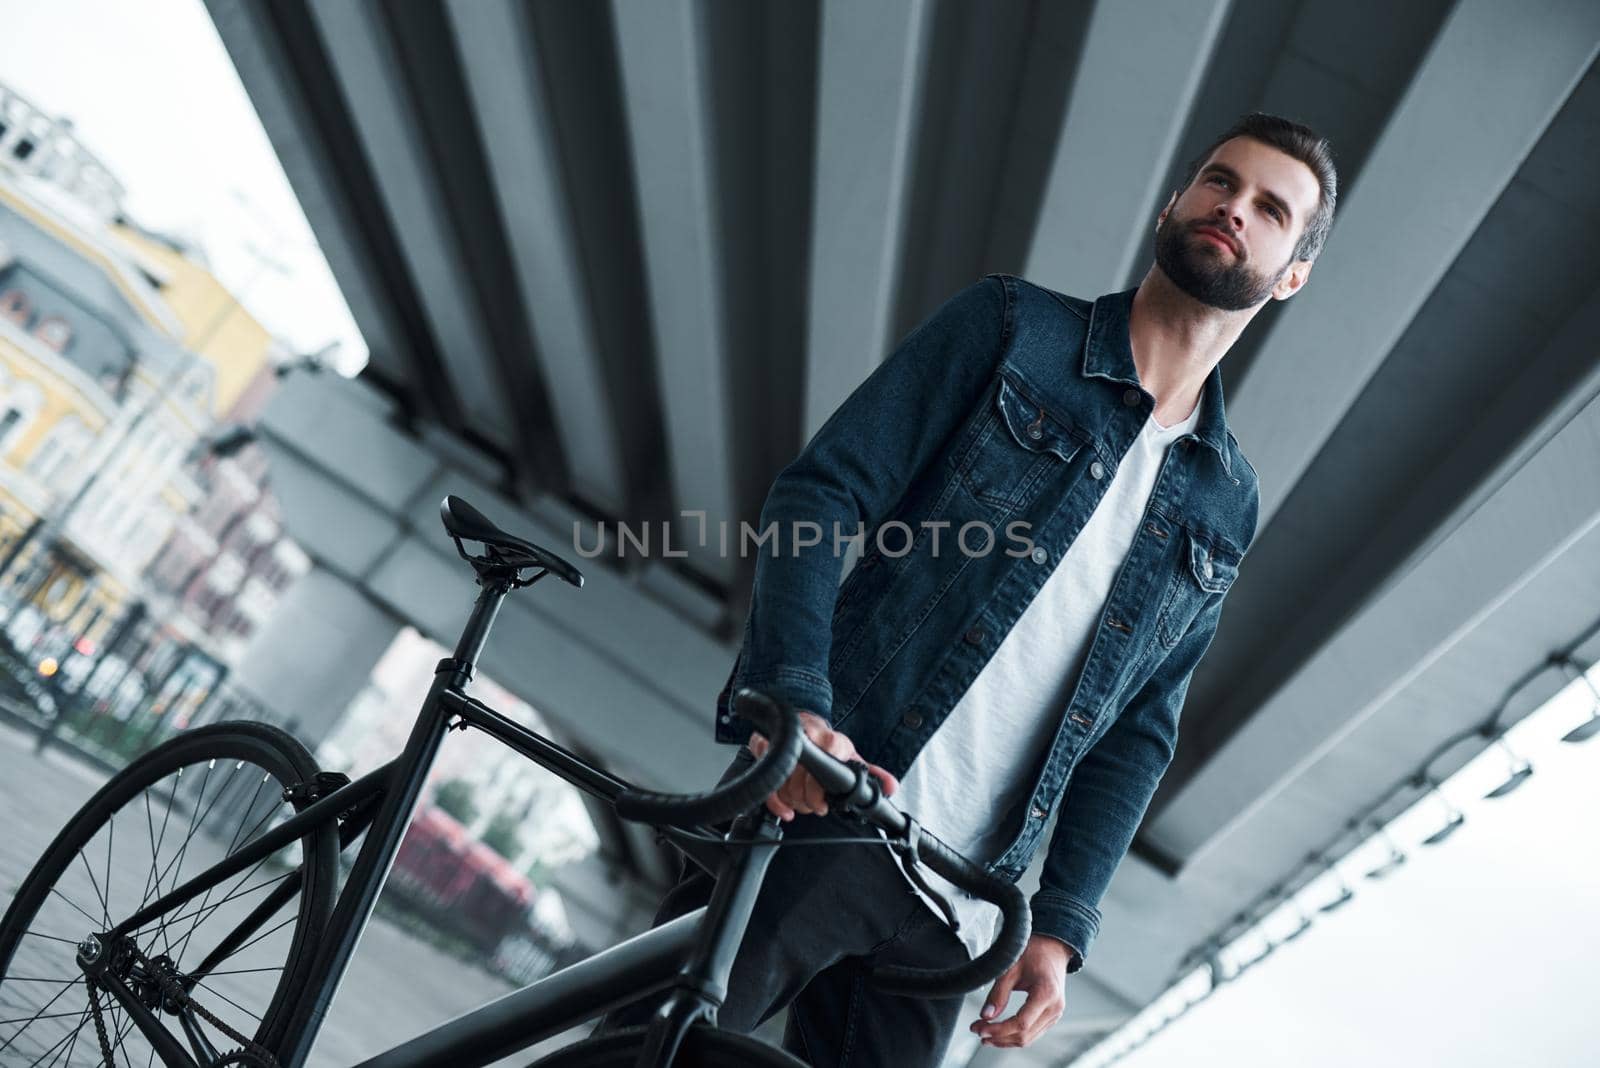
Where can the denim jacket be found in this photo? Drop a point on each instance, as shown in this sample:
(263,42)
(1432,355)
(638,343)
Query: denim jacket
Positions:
(1006,411)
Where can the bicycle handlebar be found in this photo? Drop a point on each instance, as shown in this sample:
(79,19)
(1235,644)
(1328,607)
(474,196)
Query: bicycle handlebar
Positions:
(861,793)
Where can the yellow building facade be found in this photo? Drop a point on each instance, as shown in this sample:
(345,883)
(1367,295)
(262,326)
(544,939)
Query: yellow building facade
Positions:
(102,400)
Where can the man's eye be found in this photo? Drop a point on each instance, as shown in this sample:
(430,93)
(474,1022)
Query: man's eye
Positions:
(1276,214)
(1219,179)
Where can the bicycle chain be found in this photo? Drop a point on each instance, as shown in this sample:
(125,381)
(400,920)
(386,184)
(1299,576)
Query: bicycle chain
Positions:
(249,1045)
(100,1023)
(171,988)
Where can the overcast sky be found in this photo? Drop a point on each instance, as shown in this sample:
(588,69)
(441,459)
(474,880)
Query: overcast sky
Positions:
(151,91)
(1479,952)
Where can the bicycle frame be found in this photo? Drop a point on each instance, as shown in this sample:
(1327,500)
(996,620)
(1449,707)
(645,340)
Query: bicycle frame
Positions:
(693,953)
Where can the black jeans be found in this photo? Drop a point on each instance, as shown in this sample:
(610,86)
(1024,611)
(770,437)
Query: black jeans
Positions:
(825,915)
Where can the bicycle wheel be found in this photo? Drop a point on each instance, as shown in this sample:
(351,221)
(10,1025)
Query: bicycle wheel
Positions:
(184,806)
(703,1047)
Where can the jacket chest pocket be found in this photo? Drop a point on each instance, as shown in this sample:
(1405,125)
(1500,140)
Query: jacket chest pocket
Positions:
(1019,446)
(1204,567)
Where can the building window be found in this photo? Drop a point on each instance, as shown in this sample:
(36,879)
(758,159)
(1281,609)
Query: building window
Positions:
(54,332)
(17,409)
(14,305)
(52,460)
(10,419)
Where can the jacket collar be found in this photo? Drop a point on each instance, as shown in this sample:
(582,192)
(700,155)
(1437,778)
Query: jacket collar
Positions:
(1108,354)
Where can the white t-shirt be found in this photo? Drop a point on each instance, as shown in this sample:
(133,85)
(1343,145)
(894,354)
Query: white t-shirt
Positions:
(983,756)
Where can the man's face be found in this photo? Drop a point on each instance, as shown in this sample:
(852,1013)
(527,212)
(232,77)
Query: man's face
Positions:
(1228,239)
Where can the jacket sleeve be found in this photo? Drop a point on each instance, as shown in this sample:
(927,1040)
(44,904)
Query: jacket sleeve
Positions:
(1109,791)
(854,471)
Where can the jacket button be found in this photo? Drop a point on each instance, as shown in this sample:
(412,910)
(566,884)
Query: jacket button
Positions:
(1040,556)
(1208,569)
(1131,398)
(912,720)
(1035,431)
(1097,470)
(975,636)
(1038,813)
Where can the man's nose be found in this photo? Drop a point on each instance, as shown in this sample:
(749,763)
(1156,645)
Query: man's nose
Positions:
(1232,221)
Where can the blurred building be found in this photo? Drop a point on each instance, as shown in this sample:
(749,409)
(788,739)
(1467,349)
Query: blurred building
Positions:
(101,406)
(36,143)
(139,546)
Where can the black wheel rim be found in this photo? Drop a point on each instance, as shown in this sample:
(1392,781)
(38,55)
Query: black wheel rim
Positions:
(161,832)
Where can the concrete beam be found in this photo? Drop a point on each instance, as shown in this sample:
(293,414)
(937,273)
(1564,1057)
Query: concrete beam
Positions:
(1124,121)
(614,668)
(1489,87)
(316,652)
(662,51)
(371,77)
(291,122)
(1496,543)
(873,65)
(514,119)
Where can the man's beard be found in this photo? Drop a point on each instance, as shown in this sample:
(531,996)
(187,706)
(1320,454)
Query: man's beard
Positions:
(1205,276)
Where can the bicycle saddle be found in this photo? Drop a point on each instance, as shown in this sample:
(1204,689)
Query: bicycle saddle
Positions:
(466,523)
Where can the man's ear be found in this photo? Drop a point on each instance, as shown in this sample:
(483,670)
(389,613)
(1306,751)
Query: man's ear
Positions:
(1293,278)
(1171,200)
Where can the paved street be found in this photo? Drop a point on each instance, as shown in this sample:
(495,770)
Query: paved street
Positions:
(396,988)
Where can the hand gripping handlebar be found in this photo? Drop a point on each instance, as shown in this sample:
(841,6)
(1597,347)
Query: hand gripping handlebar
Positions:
(860,793)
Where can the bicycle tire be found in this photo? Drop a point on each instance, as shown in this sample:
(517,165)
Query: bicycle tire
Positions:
(703,1047)
(284,761)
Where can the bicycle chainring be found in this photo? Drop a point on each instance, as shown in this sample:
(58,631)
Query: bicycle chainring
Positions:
(243,1058)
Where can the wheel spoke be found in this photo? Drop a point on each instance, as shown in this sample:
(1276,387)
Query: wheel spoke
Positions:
(53,938)
(36,1015)
(76,1031)
(111,841)
(200,914)
(223,901)
(30,979)
(34,1045)
(229,1000)
(184,942)
(153,880)
(242,971)
(74,904)
(105,909)
(262,935)
(39,1027)
(58,1045)
(47,1016)
(183,849)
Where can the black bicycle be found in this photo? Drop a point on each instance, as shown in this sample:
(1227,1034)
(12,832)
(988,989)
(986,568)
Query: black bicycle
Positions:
(204,930)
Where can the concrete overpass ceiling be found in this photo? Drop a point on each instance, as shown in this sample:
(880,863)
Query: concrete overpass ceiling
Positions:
(636,253)
(1367,381)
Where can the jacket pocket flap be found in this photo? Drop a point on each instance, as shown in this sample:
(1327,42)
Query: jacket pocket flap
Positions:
(1034,428)
(1214,565)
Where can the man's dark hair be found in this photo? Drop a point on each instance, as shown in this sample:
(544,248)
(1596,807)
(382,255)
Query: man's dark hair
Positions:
(1305,145)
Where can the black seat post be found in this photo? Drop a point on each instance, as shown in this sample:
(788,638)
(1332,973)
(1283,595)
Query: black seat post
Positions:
(495,583)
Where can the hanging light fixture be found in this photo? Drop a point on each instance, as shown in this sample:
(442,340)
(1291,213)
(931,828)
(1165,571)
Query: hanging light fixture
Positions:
(1454,817)
(1345,893)
(1591,726)
(1220,972)
(1305,921)
(1393,861)
(1521,770)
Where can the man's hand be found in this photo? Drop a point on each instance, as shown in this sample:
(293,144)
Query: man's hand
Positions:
(1041,971)
(803,793)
